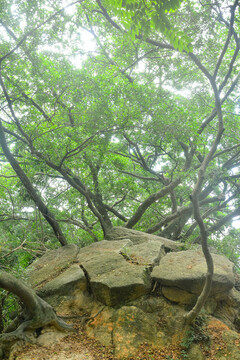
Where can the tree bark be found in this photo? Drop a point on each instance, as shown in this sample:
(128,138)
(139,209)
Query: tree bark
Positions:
(149,201)
(190,317)
(38,313)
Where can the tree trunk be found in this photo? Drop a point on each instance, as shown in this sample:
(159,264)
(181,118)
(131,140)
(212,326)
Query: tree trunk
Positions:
(38,313)
(30,189)
(191,315)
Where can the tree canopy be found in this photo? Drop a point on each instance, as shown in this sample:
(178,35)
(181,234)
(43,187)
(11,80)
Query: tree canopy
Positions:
(118,113)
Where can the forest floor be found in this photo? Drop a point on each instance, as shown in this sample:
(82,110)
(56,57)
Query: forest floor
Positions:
(79,346)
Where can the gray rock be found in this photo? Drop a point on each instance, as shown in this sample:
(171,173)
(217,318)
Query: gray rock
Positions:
(101,328)
(107,245)
(178,296)
(98,262)
(229,310)
(210,305)
(186,270)
(147,253)
(237,281)
(112,279)
(51,264)
(68,281)
(233,298)
(137,237)
(121,285)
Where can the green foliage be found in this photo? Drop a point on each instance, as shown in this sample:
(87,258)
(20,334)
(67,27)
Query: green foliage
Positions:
(9,309)
(124,116)
(229,246)
(143,17)
(195,334)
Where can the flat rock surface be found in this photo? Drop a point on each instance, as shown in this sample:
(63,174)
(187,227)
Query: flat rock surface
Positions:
(107,245)
(66,282)
(187,269)
(51,264)
(147,253)
(100,262)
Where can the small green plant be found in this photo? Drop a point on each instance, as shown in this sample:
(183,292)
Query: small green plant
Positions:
(188,339)
(126,252)
(184,354)
(195,334)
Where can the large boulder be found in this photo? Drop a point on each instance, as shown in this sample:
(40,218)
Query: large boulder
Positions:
(147,253)
(137,237)
(107,246)
(51,264)
(112,279)
(120,289)
(70,279)
(186,270)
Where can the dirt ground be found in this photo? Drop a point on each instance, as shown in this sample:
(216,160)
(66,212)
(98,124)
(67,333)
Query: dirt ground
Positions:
(78,346)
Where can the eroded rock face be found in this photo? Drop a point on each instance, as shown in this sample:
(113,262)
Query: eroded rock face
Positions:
(112,279)
(133,289)
(132,327)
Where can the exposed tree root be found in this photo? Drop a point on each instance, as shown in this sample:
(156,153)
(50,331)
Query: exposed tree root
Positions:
(38,314)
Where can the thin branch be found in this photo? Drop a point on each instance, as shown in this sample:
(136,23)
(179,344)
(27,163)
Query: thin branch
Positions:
(76,150)
(6,130)
(11,198)
(230,33)
(150,200)
(12,251)
(12,110)
(116,213)
(112,62)
(159,44)
(139,176)
(31,190)
(81,226)
(179,213)
(226,150)
(37,106)
(223,221)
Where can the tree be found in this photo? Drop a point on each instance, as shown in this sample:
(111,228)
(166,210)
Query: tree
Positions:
(140,130)
(37,313)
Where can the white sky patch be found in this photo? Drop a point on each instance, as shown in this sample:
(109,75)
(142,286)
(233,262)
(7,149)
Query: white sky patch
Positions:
(88,45)
(236,223)
(28,209)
